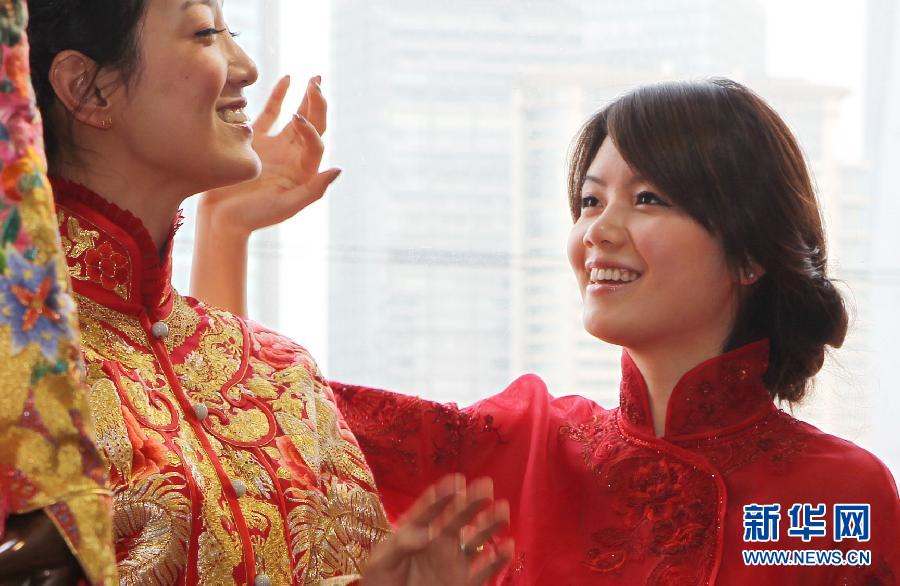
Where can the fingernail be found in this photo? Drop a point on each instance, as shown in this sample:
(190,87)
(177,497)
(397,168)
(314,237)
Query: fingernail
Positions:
(287,77)
(318,79)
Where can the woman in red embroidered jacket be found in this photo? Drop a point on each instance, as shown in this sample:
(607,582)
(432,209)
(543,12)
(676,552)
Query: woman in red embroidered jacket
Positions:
(227,458)
(698,246)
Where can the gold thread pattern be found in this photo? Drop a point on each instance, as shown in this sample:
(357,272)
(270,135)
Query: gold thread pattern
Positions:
(155,514)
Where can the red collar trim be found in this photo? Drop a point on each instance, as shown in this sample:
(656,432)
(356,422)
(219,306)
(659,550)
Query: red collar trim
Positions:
(112,258)
(715,397)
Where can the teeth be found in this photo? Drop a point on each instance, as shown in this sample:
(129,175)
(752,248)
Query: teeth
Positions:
(622,275)
(234,116)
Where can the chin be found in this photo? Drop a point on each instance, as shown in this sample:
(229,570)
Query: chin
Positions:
(615,331)
(237,170)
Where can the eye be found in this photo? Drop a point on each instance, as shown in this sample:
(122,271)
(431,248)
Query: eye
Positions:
(589,201)
(650,198)
(209,32)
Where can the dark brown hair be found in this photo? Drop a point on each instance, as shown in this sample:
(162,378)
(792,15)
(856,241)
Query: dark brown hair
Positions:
(726,158)
(107,31)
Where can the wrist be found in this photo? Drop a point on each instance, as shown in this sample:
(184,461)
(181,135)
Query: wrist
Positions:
(215,220)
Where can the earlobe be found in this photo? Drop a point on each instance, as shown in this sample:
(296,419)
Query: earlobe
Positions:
(74,78)
(751,273)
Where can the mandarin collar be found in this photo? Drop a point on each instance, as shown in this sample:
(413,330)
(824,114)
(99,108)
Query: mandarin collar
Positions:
(110,254)
(716,397)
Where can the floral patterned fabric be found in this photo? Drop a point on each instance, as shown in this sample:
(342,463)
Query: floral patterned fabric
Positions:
(597,498)
(47,459)
(229,461)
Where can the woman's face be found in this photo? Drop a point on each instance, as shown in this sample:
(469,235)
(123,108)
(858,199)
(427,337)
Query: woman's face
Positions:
(650,275)
(183,114)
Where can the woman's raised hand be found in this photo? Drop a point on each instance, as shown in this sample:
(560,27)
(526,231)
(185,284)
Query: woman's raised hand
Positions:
(290,179)
(444,539)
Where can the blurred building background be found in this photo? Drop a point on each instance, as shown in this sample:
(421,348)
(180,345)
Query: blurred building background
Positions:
(438,264)
(883,157)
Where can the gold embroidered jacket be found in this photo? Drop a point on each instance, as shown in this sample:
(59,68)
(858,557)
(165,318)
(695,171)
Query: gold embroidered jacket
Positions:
(229,461)
(47,459)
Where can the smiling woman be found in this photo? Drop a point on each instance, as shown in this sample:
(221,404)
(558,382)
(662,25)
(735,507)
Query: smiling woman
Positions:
(698,246)
(227,458)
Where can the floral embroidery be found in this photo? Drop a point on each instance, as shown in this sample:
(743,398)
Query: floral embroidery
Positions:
(21,176)
(301,474)
(723,392)
(79,240)
(665,507)
(387,423)
(105,266)
(462,427)
(32,305)
(148,456)
(383,423)
(274,349)
(44,404)
(775,438)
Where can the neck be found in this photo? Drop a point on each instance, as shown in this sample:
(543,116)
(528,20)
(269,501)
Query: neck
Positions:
(148,194)
(663,365)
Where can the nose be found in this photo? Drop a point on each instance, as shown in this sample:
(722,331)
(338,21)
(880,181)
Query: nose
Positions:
(242,69)
(606,229)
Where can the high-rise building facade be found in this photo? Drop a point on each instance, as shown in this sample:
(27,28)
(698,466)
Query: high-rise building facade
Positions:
(421,228)
(883,150)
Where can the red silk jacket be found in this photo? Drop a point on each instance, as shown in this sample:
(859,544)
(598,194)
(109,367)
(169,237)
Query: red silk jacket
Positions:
(596,498)
(228,459)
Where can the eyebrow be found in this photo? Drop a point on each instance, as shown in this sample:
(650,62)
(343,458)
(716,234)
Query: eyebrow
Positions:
(188,3)
(602,183)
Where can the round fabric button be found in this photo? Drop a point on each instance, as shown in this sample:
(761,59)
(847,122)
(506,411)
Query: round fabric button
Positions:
(262,580)
(160,330)
(240,489)
(201,411)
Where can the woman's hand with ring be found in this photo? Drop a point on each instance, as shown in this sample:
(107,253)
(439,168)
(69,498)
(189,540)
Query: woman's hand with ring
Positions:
(438,543)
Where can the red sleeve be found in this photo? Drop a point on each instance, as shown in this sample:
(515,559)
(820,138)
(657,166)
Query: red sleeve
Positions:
(876,487)
(410,442)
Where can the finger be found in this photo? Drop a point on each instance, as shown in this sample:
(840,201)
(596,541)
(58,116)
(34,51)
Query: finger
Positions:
(479,494)
(493,562)
(434,500)
(412,533)
(404,542)
(488,524)
(269,115)
(317,111)
(313,86)
(303,110)
(313,146)
(297,199)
